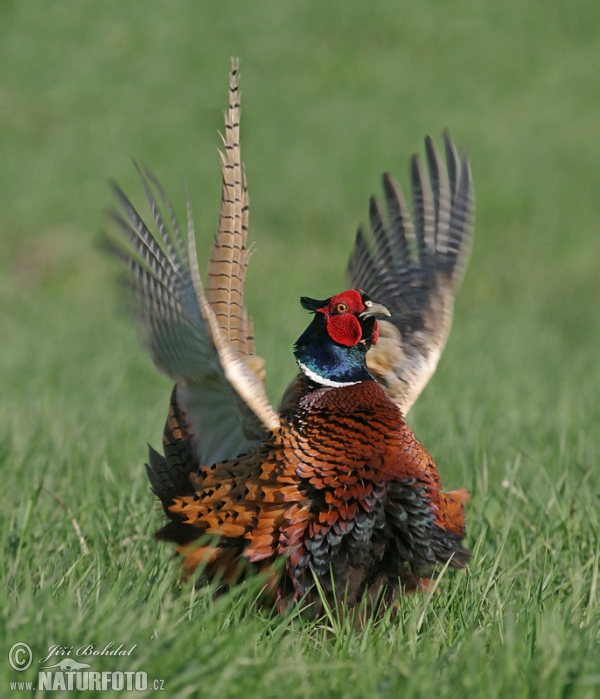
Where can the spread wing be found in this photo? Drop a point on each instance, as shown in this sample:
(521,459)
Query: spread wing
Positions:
(200,338)
(414,267)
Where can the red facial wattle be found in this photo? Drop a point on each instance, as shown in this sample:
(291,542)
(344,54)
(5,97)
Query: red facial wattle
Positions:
(344,329)
(375,333)
(341,312)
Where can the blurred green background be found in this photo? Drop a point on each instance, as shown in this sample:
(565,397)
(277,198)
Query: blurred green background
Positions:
(333,94)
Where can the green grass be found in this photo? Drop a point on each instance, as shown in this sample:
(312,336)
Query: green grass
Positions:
(333,94)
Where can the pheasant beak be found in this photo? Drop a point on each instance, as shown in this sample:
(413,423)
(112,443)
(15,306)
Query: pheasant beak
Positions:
(374,309)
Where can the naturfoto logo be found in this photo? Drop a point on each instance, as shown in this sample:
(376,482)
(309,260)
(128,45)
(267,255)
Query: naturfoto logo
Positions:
(60,670)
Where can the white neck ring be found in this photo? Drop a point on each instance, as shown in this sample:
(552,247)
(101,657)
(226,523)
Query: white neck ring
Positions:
(313,376)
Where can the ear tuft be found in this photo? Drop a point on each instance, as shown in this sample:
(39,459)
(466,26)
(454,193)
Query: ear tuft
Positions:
(312,304)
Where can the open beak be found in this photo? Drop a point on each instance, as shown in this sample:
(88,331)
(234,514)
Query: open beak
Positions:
(374,309)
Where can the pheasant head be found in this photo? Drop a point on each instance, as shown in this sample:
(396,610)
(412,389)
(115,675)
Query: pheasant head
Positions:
(332,350)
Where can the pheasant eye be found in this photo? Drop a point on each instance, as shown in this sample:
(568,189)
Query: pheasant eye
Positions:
(341,308)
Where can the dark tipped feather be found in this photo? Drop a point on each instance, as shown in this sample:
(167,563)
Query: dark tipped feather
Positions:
(361,261)
(174,253)
(461,222)
(140,236)
(424,218)
(400,227)
(159,475)
(434,175)
(452,163)
(175,228)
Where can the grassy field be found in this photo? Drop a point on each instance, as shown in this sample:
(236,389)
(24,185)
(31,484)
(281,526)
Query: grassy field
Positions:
(333,94)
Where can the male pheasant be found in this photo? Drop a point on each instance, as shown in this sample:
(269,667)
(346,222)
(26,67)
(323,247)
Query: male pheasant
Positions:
(335,482)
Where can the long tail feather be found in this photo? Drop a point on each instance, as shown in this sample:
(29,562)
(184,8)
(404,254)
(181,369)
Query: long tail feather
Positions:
(229,258)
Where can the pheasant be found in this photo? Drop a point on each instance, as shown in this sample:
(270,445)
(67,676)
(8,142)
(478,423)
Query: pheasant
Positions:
(335,483)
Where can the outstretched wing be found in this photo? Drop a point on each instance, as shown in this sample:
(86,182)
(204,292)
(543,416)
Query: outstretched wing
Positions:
(202,340)
(414,267)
